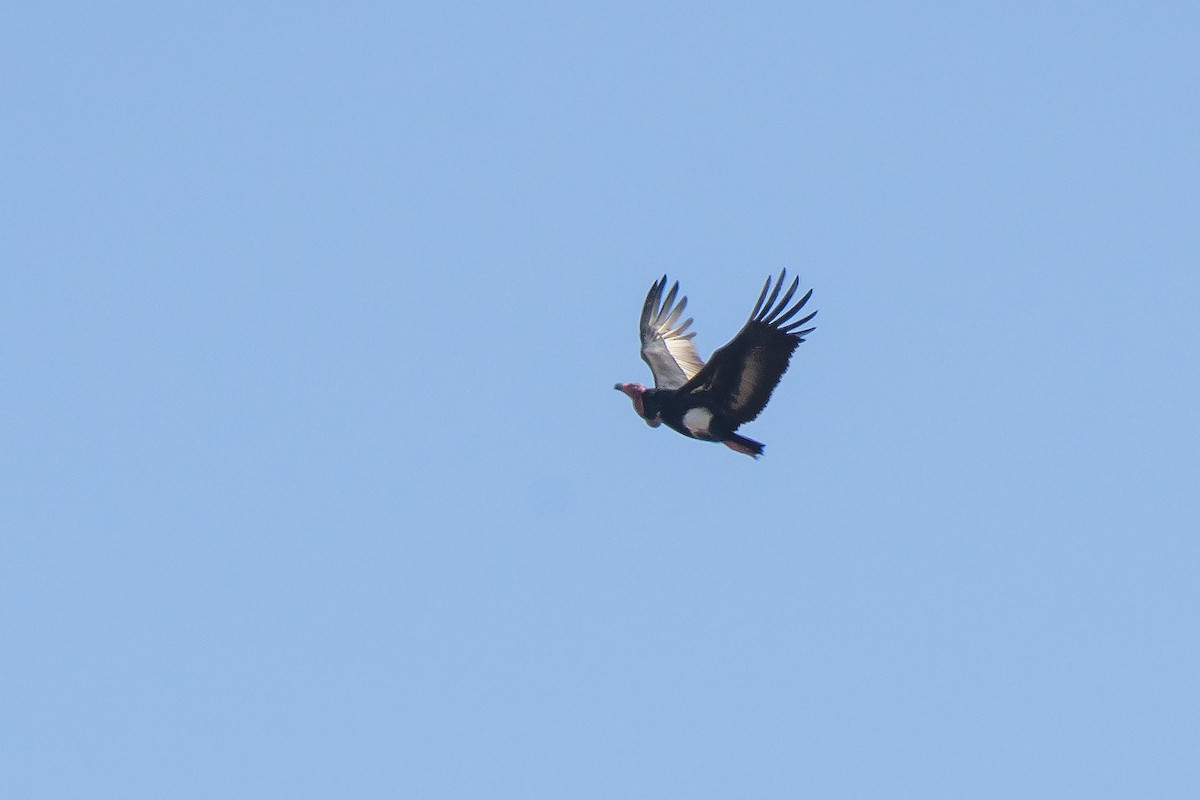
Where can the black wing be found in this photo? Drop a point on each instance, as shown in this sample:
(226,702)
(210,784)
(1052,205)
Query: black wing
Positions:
(665,347)
(742,374)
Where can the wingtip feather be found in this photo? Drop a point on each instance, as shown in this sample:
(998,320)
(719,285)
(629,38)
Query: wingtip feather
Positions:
(761,296)
(774,294)
(773,317)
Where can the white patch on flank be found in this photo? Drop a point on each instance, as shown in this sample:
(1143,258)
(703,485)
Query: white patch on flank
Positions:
(697,421)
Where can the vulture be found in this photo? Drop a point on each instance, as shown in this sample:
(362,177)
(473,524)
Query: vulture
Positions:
(710,401)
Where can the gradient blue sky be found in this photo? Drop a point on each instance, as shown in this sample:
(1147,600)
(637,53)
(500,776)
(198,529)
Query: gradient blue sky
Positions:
(313,482)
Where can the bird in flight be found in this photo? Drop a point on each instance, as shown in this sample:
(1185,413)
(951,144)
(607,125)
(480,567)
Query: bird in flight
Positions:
(709,401)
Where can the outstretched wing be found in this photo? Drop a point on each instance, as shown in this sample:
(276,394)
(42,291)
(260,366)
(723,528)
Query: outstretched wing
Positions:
(741,375)
(665,346)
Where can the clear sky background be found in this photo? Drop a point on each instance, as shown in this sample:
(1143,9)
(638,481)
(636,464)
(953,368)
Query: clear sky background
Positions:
(313,482)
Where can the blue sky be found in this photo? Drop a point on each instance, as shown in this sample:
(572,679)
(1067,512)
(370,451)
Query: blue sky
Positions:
(314,483)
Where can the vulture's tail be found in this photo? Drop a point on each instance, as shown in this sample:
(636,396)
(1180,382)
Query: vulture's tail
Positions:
(743,445)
